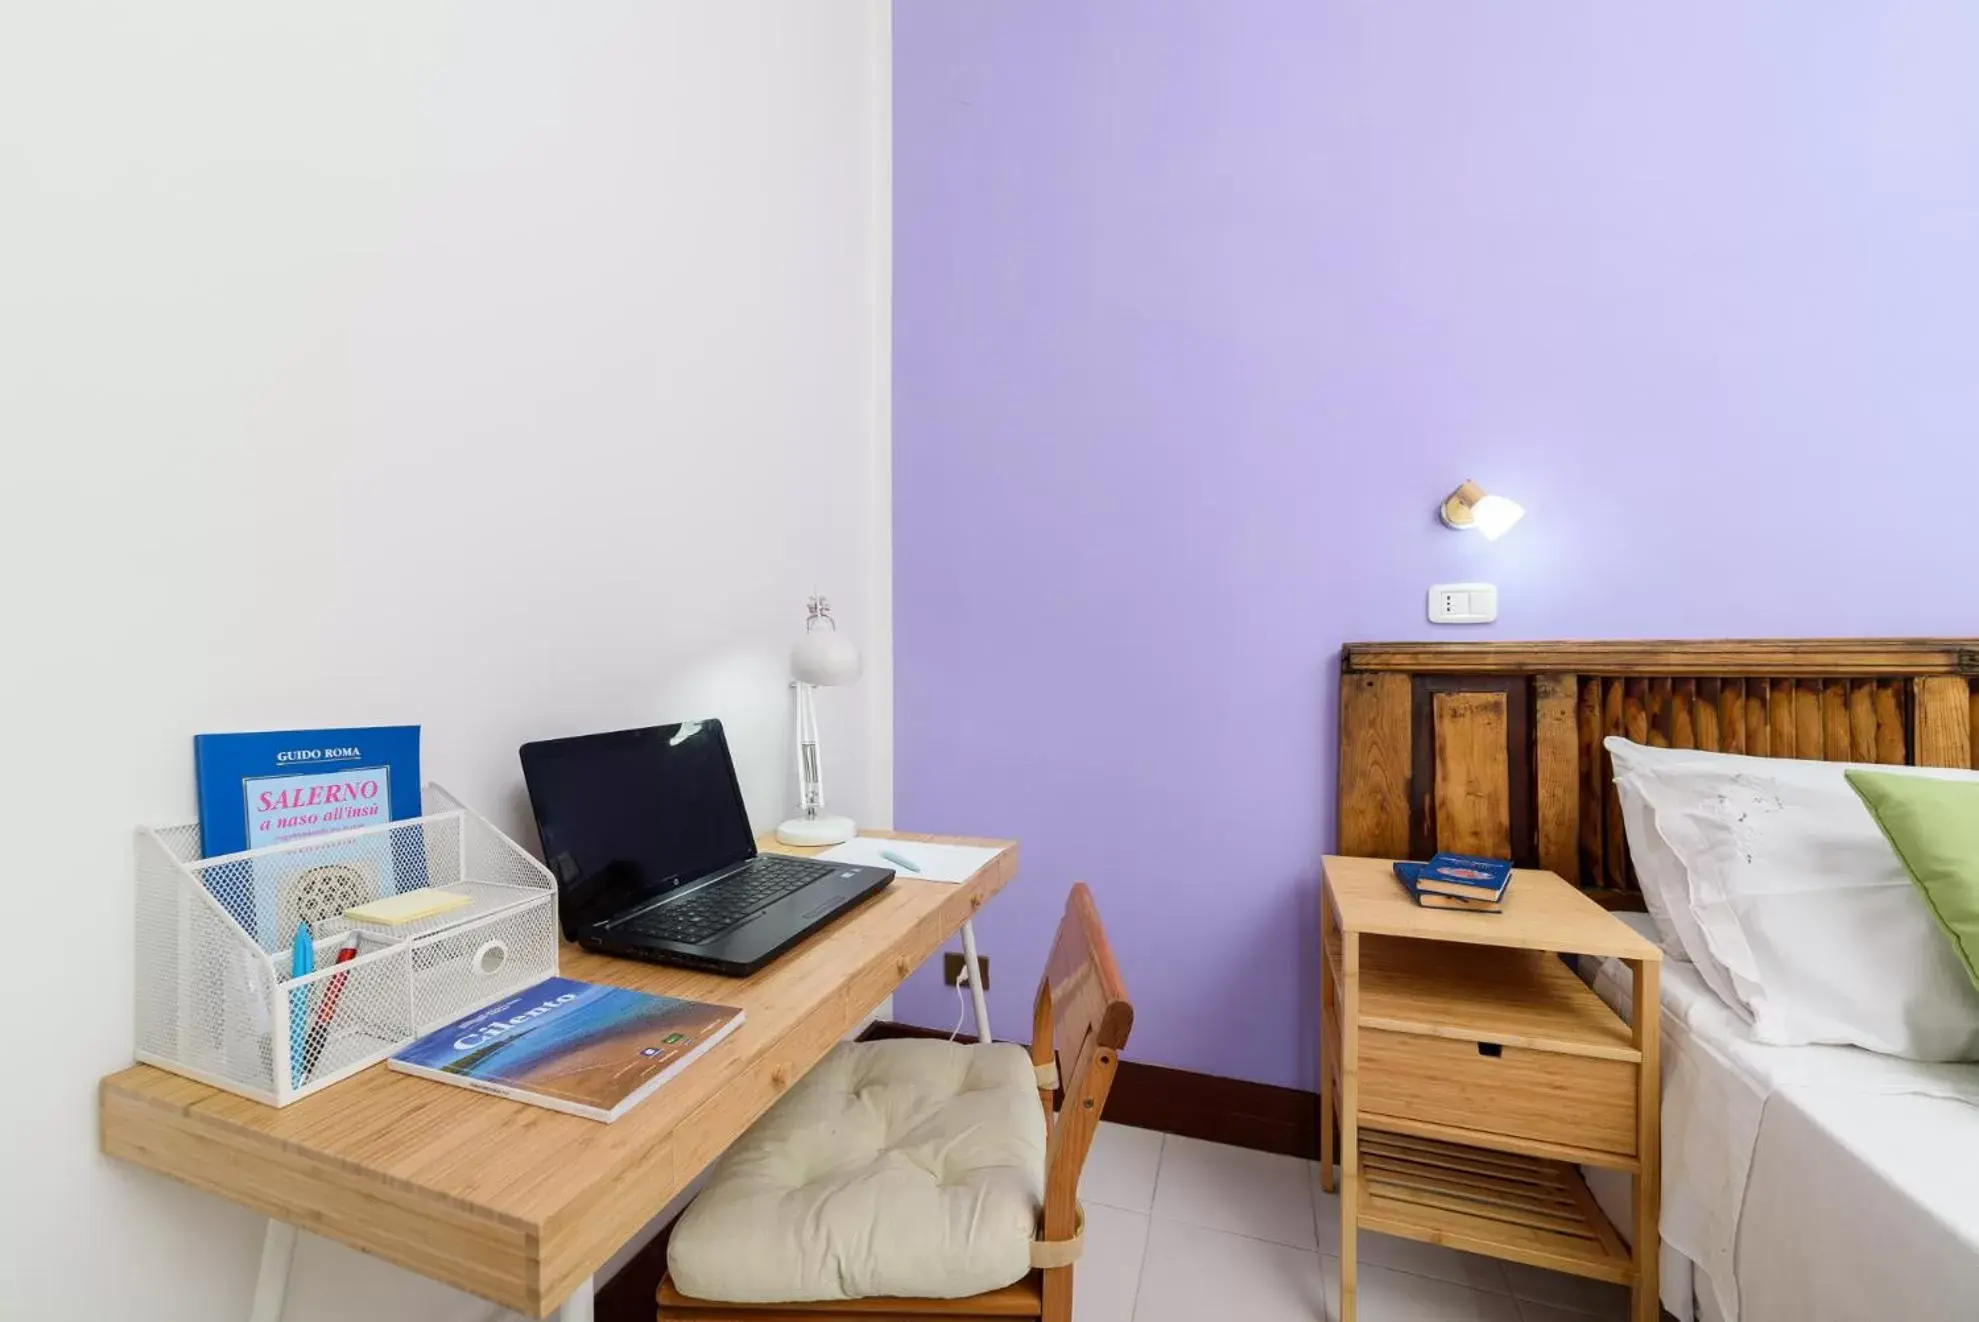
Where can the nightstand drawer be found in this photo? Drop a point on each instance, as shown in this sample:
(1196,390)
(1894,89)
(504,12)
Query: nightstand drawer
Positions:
(1582,1101)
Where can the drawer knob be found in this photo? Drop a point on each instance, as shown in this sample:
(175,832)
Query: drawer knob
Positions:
(1492,1049)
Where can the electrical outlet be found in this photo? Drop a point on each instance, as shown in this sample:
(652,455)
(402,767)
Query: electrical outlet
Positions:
(951,968)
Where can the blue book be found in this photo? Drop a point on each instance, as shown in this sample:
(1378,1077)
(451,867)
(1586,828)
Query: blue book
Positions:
(264,789)
(571,1046)
(1465,877)
(1410,875)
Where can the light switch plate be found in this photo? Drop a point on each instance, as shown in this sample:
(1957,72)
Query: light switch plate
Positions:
(1463,603)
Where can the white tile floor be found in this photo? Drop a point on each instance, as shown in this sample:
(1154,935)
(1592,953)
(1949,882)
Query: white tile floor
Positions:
(1179,1230)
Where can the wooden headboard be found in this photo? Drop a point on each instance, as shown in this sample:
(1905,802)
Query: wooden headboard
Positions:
(1495,748)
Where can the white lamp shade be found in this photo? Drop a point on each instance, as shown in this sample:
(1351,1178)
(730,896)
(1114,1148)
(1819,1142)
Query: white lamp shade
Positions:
(824,657)
(1494,516)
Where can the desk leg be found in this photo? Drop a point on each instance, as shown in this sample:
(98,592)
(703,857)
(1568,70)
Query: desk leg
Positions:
(271,1287)
(975,980)
(577,1308)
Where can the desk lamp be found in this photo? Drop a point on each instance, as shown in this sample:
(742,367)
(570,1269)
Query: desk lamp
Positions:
(823,657)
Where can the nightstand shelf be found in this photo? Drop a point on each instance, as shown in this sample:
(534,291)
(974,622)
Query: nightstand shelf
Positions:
(1470,1073)
(1523,998)
(1528,1209)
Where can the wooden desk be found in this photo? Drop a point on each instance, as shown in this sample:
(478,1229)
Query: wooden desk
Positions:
(516,1203)
(1471,1072)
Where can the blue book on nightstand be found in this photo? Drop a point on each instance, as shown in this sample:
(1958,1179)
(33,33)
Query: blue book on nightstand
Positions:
(262,789)
(1410,875)
(1465,877)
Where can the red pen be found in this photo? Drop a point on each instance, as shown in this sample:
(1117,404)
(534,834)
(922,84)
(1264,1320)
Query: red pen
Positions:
(345,954)
(320,1031)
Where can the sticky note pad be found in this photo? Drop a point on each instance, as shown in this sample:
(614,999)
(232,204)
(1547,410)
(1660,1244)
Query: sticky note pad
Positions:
(407,908)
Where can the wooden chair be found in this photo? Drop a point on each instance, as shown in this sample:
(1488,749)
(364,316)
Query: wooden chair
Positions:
(1079,1023)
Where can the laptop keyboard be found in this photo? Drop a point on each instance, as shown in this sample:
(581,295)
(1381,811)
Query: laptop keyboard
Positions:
(714,909)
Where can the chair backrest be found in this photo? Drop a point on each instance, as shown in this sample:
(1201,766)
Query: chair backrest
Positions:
(1081,1020)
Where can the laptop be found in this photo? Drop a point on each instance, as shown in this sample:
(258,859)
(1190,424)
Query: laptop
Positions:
(650,843)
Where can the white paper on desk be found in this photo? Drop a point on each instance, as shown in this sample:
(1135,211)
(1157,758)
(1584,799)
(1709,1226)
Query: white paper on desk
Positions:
(937,862)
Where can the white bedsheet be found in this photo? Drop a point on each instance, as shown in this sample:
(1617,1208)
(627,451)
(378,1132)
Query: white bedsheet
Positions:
(1862,1206)
(1807,1183)
(1682,988)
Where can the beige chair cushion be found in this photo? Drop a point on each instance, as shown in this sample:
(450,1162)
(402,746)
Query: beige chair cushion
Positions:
(906,1167)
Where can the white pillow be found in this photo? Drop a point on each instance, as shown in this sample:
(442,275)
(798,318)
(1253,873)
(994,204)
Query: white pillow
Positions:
(1660,872)
(1656,868)
(1798,897)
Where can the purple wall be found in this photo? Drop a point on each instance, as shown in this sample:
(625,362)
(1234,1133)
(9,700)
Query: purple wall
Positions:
(1200,309)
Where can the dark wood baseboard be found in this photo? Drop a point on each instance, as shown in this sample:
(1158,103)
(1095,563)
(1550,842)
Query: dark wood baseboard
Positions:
(1206,1106)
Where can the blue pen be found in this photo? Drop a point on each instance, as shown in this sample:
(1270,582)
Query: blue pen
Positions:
(907,863)
(302,962)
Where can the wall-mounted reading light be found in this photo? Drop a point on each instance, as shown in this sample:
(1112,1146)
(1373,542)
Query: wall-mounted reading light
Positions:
(1470,509)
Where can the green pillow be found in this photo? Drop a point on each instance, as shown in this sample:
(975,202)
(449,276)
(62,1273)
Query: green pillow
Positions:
(1933,825)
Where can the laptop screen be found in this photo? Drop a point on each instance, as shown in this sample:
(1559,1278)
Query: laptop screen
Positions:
(629,815)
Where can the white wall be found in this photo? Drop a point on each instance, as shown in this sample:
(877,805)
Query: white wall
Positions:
(509,368)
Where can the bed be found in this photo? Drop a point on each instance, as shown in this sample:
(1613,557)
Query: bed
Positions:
(1804,1182)
(1798,1182)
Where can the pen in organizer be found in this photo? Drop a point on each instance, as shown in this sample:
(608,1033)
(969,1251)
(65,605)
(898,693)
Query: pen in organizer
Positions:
(900,860)
(319,1032)
(302,963)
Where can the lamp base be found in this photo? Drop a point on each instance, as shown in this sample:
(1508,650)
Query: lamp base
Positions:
(810,832)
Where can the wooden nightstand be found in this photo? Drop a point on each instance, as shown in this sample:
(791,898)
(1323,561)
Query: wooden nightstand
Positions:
(1470,1072)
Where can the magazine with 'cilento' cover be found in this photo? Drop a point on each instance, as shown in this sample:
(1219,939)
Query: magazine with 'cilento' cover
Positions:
(572,1046)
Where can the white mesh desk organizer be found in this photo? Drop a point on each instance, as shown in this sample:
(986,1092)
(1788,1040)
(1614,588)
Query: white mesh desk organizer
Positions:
(214,998)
